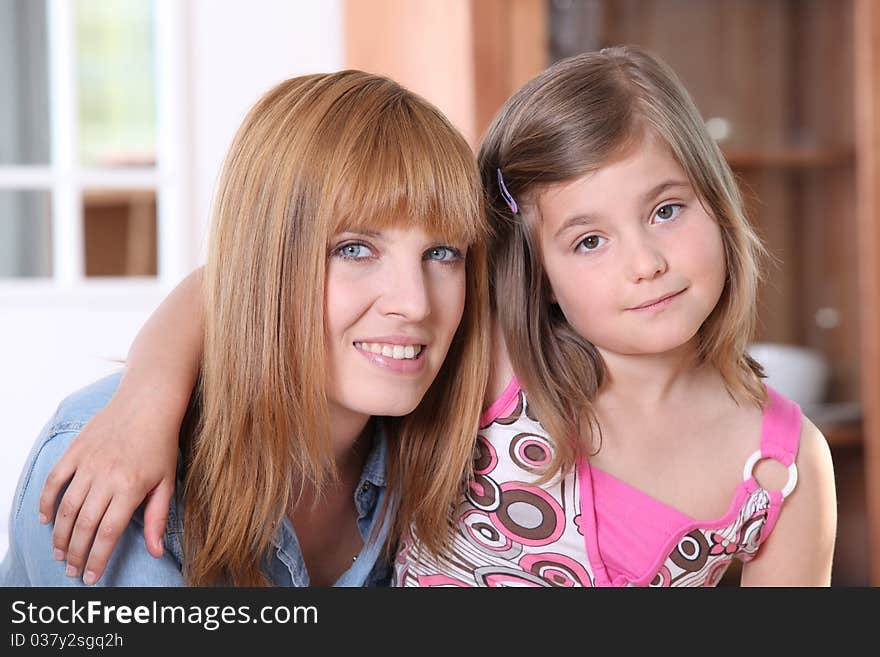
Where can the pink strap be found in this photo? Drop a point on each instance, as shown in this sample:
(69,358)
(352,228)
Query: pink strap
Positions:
(780,438)
(501,404)
(781,428)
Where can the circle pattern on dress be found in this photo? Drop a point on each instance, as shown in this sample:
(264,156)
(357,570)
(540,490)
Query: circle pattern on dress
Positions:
(691,552)
(529,514)
(557,569)
(529,451)
(485,458)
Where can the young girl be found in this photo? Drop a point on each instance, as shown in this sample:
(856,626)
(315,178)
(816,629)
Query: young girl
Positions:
(627,438)
(346,316)
(624,278)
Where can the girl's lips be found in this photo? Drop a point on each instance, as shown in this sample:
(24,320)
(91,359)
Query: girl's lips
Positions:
(662,302)
(398,366)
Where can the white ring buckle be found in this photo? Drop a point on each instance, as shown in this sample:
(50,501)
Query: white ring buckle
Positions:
(792,473)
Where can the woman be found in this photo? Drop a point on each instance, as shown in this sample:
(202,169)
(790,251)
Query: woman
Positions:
(345,359)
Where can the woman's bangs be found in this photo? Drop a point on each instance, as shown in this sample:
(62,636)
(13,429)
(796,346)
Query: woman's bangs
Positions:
(412,170)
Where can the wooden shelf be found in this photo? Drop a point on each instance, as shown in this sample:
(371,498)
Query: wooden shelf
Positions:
(842,435)
(795,157)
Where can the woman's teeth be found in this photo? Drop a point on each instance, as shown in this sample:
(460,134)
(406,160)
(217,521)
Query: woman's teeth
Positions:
(396,351)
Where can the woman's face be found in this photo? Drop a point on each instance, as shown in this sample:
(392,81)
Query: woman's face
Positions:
(394,299)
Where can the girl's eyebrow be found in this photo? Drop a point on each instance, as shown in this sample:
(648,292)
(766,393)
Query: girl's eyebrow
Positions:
(657,190)
(576,220)
(650,195)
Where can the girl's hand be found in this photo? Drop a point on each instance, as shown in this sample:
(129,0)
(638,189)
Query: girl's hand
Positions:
(125,454)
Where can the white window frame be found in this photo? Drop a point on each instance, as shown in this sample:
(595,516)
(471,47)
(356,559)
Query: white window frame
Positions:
(66,179)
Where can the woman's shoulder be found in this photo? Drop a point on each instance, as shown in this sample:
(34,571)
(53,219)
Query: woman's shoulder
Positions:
(71,415)
(81,406)
(29,559)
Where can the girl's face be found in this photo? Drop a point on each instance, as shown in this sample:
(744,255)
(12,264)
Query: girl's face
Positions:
(634,261)
(394,299)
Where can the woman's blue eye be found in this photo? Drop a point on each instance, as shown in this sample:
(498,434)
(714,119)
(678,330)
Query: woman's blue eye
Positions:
(443,253)
(355,251)
(667,212)
(590,243)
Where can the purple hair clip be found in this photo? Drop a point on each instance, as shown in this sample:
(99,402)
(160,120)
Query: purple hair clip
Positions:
(511,203)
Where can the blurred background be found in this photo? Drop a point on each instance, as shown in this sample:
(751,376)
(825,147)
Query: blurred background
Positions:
(115,116)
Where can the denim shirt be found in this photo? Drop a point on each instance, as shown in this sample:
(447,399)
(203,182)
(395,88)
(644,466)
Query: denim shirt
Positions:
(29,560)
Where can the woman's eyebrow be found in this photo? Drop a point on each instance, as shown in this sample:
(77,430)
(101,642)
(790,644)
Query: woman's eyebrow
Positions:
(365,233)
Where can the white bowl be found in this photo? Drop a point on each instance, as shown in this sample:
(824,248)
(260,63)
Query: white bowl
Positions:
(799,373)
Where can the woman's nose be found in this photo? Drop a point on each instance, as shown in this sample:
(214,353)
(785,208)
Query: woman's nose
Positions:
(405,293)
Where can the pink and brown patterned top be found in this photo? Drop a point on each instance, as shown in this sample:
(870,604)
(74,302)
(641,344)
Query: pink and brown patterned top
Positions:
(590,528)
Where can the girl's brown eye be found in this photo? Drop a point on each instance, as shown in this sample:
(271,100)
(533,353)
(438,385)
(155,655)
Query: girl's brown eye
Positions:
(591,242)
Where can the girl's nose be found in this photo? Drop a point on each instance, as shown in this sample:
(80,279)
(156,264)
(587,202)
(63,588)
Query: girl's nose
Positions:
(647,261)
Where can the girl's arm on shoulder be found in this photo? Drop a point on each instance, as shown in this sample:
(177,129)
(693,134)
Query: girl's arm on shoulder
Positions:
(801,546)
(29,562)
(128,451)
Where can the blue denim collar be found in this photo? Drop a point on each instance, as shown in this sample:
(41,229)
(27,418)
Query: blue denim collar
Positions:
(376,465)
(369,568)
(368,499)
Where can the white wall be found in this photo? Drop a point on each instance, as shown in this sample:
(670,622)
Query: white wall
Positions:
(240,48)
(53,342)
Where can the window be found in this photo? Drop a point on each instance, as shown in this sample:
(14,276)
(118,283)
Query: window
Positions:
(88,142)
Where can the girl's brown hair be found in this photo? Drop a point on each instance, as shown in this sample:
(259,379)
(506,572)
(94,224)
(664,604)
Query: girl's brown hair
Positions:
(570,120)
(316,155)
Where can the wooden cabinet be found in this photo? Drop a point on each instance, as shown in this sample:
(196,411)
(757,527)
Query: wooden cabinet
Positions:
(867,109)
(777,83)
(791,89)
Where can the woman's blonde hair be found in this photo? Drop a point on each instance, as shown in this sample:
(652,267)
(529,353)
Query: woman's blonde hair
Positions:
(570,120)
(316,155)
